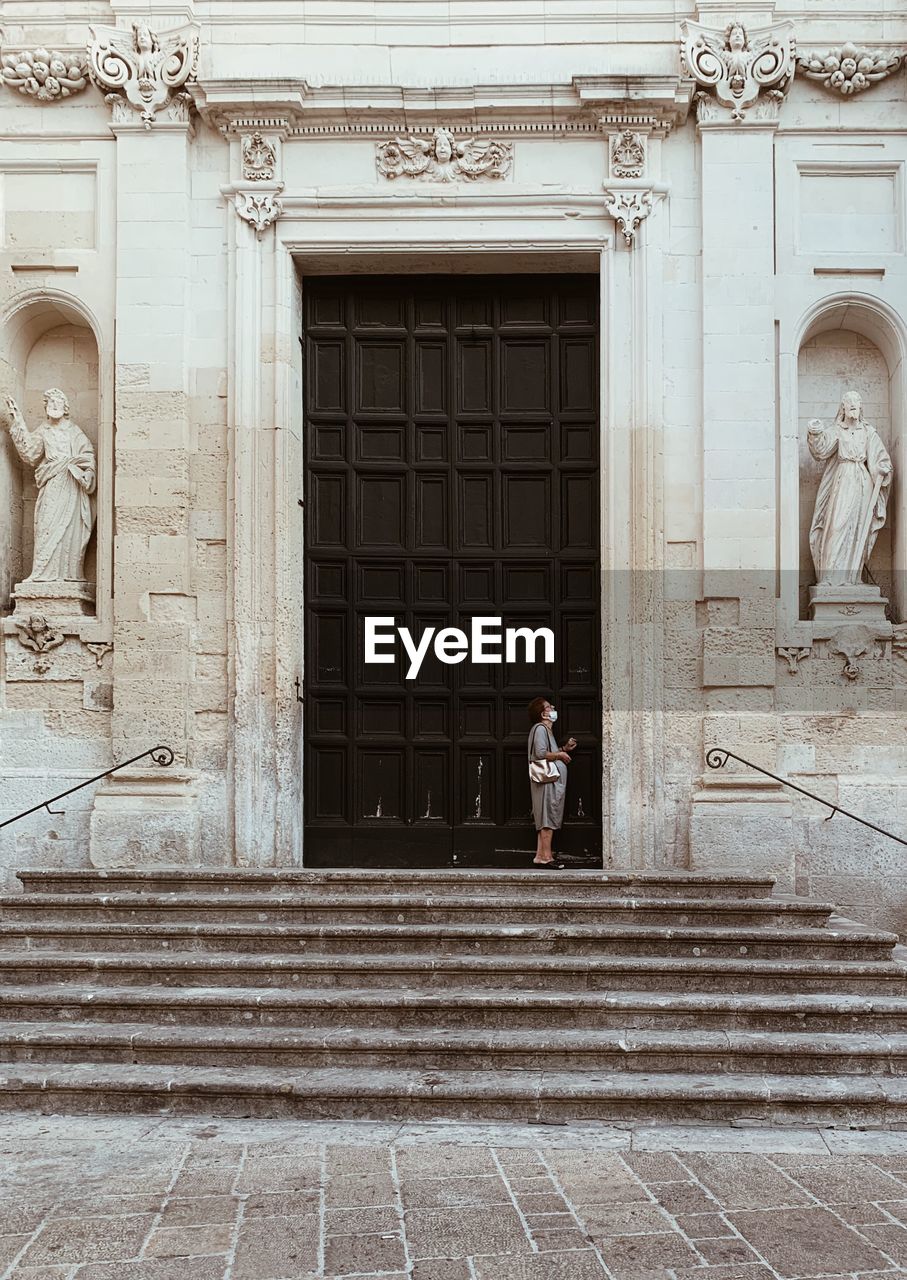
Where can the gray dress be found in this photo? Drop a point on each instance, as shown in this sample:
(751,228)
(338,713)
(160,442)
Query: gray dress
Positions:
(547,797)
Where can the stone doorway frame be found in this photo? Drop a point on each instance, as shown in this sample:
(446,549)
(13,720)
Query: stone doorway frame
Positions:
(267,268)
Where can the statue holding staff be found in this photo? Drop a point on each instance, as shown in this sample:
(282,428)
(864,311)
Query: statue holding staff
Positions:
(65,474)
(853,493)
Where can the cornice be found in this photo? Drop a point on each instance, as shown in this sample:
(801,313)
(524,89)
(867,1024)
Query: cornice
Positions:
(294,106)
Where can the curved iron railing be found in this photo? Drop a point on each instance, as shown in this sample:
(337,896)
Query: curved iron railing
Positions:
(717,758)
(162,756)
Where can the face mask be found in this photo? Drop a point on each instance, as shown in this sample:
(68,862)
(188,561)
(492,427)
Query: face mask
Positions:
(552,715)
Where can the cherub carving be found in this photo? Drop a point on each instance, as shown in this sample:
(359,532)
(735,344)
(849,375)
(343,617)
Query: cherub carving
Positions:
(738,65)
(38,635)
(441,158)
(145,68)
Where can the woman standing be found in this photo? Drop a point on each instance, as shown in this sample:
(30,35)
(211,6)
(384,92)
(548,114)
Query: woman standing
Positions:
(547,797)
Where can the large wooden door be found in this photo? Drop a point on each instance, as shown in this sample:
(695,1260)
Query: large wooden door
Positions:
(452,470)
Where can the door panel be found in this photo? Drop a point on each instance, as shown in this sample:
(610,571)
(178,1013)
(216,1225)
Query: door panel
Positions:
(452,455)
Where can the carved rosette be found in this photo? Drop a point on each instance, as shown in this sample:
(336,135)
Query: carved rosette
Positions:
(142,72)
(850,69)
(45,74)
(441,158)
(259,208)
(629,208)
(259,159)
(739,71)
(628,154)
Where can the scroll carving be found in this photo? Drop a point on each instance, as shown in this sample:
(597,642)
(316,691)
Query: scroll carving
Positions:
(259,159)
(629,209)
(738,69)
(142,69)
(628,154)
(259,208)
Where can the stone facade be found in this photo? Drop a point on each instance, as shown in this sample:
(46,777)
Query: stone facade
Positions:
(739,187)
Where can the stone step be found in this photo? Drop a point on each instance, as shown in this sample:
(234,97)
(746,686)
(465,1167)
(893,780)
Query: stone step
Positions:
(184,968)
(414,1009)
(843,940)
(516,1096)
(229,880)
(461,1049)
(414,908)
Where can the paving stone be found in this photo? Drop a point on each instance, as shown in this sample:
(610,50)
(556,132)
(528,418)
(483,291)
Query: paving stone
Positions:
(18,1217)
(805,1242)
(198,1211)
(703,1226)
(157,1269)
(281,1204)
(344,1255)
(727,1251)
(755,1271)
(441,1193)
(856,1215)
(88,1240)
(341,1159)
(445,1161)
(560,1240)
(441,1269)
(351,1190)
(41,1273)
(279,1174)
(186,1242)
(541,1202)
(113,1206)
(623,1219)
(682,1197)
(840,1181)
(891,1238)
(745,1181)
(436,1233)
(10,1245)
(541,1266)
(528,1186)
(655,1166)
(216,1182)
(630,1255)
(290,1250)
(346,1222)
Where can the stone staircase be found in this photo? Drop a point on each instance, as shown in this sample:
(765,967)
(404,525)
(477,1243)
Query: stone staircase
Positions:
(517,995)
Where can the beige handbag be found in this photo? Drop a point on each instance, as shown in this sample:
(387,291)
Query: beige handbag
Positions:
(542,770)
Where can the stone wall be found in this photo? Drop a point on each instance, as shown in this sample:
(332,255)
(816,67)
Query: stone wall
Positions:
(154,273)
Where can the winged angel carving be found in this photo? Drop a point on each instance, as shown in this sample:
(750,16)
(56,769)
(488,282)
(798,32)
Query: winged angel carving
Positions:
(441,158)
(147,69)
(738,65)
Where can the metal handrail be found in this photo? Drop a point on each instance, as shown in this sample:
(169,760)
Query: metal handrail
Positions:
(162,756)
(713,758)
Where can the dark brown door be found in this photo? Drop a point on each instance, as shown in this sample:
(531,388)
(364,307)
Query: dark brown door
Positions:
(452,470)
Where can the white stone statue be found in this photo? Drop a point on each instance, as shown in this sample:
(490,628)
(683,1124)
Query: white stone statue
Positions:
(65,473)
(853,493)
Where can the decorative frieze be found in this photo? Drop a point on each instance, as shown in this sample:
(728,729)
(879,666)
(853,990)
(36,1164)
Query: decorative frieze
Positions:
(628,208)
(141,71)
(441,158)
(850,69)
(45,74)
(739,71)
(627,153)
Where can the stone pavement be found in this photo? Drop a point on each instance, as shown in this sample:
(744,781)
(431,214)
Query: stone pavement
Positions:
(110,1198)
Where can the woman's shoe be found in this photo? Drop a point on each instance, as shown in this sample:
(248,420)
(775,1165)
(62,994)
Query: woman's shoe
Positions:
(552,864)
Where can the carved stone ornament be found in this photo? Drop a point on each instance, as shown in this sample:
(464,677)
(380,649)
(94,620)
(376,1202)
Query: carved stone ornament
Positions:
(628,154)
(628,209)
(142,69)
(793,657)
(259,159)
(260,208)
(736,68)
(38,635)
(99,650)
(441,158)
(45,74)
(850,69)
(851,643)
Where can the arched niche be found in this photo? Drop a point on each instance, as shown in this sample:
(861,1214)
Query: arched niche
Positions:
(854,344)
(50,340)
